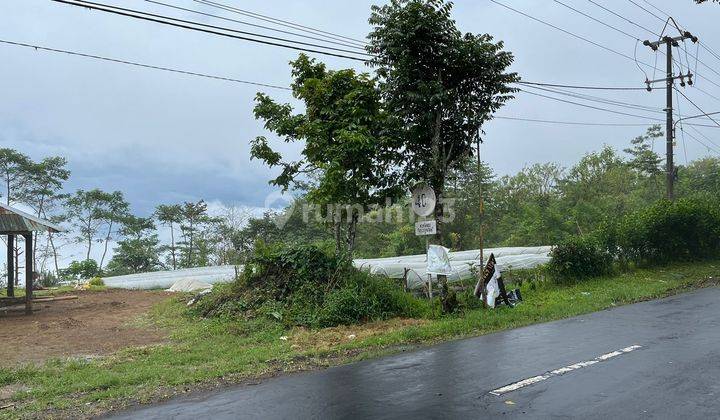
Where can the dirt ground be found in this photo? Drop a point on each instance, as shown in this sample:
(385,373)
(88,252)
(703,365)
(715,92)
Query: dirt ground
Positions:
(95,324)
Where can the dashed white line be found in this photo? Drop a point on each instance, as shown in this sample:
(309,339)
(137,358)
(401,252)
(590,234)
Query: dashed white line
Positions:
(557,372)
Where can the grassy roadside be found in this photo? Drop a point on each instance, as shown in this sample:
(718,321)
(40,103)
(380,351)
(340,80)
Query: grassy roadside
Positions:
(208,353)
(53,291)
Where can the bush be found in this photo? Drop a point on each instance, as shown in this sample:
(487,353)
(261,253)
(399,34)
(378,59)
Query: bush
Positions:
(304,286)
(364,298)
(79,270)
(580,257)
(96,281)
(683,230)
(668,231)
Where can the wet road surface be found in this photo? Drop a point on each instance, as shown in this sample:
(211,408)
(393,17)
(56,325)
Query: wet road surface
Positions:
(673,371)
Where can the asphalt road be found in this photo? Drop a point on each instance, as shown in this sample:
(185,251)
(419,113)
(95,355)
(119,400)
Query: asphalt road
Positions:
(674,374)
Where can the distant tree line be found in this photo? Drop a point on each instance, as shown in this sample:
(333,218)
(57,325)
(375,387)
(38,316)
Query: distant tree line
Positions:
(540,205)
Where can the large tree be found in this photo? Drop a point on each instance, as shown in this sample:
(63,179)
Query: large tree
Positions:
(349,144)
(137,252)
(442,84)
(194,220)
(42,192)
(90,213)
(170,216)
(15,170)
(114,211)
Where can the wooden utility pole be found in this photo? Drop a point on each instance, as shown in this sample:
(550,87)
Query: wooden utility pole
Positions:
(482,206)
(29,280)
(11,265)
(669,80)
(481,213)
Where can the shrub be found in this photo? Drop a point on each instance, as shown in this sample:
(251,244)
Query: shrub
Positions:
(668,231)
(363,297)
(579,257)
(683,230)
(79,270)
(302,285)
(96,281)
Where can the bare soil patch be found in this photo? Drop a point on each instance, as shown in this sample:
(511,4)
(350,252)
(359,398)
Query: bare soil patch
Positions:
(95,324)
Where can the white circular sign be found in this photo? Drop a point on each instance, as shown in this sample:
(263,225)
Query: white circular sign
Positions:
(423,201)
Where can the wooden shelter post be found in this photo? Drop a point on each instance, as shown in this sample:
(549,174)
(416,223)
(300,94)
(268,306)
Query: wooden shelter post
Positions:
(29,273)
(16,223)
(10,266)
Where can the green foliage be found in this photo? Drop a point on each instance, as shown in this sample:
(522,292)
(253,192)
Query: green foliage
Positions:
(348,146)
(684,230)
(303,285)
(580,257)
(170,216)
(96,281)
(687,229)
(138,251)
(95,216)
(440,84)
(14,173)
(363,298)
(80,270)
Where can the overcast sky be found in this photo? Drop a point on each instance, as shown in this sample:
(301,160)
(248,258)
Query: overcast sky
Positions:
(161,137)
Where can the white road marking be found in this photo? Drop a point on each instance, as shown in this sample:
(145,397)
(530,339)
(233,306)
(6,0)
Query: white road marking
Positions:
(557,372)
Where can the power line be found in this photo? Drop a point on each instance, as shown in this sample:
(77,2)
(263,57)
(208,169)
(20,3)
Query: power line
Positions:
(680,123)
(327,40)
(277,21)
(571,33)
(205,25)
(159,19)
(653,14)
(597,20)
(605,101)
(623,17)
(706,115)
(136,64)
(573,122)
(581,86)
(656,8)
(608,110)
(592,107)
(701,142)
(696,106)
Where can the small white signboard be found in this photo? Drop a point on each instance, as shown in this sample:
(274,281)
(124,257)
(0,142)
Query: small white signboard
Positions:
(423,201)
(424,228)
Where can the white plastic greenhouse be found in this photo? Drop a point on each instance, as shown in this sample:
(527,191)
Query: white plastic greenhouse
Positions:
(463,263)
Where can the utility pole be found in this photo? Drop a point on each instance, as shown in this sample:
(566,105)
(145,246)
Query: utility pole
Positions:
(482,207)
(669,80)
(479,288)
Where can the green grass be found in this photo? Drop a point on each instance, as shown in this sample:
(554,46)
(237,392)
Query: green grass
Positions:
(203,353)
(60,290)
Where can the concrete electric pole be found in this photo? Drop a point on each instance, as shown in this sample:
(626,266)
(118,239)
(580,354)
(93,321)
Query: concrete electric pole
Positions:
(669,80)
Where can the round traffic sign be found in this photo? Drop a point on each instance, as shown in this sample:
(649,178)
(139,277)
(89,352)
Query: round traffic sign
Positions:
(423,201)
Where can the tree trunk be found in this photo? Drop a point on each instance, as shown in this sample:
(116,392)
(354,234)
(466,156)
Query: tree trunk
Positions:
(89,247)
(190,249)
(35,235)
(17,261)
(55,254)
(107,239)
(337,220)
(352,232)
(172,246)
